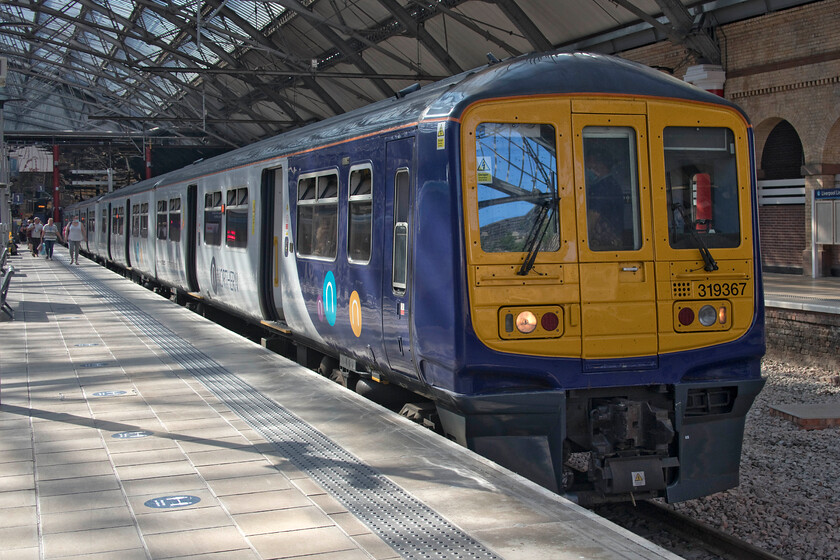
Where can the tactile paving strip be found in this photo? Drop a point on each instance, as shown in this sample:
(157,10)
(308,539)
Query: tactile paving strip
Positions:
(410,527)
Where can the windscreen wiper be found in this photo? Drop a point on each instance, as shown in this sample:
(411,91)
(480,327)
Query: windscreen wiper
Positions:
(535,236)
(547,207)
(709,261)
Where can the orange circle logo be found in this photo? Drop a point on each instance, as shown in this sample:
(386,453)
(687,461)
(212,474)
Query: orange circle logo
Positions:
(356,313)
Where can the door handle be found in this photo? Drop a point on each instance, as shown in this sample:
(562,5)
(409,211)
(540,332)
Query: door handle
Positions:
(630,269)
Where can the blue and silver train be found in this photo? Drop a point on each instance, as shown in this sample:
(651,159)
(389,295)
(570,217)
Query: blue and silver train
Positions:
(553,259)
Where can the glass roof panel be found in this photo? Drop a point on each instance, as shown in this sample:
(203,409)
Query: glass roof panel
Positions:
(204,54)
(258,14)
(71,9)
(12,43)
(88,60)
(95,42)
(156,25)
(120,7)
(223,41)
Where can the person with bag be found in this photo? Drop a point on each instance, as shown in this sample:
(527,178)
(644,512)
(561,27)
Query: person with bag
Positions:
(35,230)
(49,235)
(75,234)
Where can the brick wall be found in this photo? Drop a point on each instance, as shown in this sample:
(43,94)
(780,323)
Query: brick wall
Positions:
(782,233)
(803,337)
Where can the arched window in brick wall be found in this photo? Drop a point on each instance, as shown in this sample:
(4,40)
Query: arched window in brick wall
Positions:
(783,156)
(781,216)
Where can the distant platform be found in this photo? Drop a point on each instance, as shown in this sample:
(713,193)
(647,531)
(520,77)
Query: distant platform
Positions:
(132,428)
(801,293)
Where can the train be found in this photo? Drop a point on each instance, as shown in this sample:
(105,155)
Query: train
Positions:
(553,260)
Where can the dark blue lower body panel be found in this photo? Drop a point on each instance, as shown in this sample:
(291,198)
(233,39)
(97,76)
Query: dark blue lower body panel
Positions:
(703,423)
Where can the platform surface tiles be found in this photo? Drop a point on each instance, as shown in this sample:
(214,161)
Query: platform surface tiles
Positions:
(132,428)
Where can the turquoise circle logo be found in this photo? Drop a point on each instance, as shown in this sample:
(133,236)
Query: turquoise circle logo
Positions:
(330,298)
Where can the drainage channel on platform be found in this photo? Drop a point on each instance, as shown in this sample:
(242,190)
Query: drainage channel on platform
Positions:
(409,526)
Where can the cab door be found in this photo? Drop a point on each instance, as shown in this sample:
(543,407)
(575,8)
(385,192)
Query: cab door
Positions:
(612,197)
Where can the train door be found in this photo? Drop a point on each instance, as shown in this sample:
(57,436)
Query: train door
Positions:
(127,230)
(109,233)
(191,237)
(275,243)
(102,242)
(396,289)
(617,280)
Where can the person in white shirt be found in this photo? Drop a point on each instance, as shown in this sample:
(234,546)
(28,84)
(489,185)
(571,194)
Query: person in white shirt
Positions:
(75,234)
(35,230)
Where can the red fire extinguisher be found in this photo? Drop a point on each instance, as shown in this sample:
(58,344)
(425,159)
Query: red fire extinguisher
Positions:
(702,202)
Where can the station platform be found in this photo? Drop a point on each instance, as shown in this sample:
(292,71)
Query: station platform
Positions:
(802,293)
(133,428)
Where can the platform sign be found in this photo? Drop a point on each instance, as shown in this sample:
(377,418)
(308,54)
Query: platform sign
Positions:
(171,502)
(132,435)
(86,344)
(93,364)
(109,393)
(827,194)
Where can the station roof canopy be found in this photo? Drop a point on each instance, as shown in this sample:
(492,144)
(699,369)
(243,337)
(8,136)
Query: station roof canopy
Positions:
(234,71)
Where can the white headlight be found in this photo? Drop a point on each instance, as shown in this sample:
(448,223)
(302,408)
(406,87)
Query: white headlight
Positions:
(526,322)
(707,316)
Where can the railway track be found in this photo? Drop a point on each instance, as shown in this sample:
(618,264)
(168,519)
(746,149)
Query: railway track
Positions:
(681,534)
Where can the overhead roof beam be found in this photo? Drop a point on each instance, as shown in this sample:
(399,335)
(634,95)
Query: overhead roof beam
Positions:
(469,24)
(187,27)
(681,30)
(310,82)
(322,24)
(416,30)
(522,22)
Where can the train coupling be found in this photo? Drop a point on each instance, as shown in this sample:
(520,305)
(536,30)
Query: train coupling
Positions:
(630,447)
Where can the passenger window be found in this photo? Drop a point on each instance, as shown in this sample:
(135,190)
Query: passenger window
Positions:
(213,218)
(516,173)
(175,220)
(135,220)
(399,276)
(162,220)
(236,218)
(144,220)
(613,213)
(359,232)
(317,216)
(702,187)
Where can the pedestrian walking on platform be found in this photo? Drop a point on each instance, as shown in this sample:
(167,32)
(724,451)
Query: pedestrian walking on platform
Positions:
(35,230)
(75,234)
(49,235)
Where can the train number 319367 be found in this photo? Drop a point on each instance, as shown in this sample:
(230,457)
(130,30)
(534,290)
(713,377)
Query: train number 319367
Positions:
(721,289)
